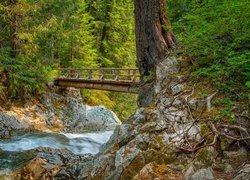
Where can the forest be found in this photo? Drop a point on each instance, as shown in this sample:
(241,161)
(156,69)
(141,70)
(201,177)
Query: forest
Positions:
(41,36)
(189,115)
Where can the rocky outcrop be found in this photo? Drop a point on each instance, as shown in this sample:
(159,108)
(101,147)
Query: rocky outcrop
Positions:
(156,171)
(150,134)
(51,163)
(74,115)
(57,112)
(9,123)
(148,144)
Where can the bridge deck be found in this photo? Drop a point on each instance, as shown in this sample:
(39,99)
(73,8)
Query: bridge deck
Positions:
(111,79)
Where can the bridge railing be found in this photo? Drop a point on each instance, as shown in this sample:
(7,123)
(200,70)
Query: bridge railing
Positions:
(100,74)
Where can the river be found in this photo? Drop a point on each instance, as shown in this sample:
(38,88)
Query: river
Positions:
(15,149)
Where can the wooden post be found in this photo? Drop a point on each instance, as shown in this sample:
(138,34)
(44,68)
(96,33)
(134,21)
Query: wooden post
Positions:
(101,76)
(134,75)
(117,75)
(129,76)
(89,74)
(59,73)
(113,74)
(78,74)
(68,75)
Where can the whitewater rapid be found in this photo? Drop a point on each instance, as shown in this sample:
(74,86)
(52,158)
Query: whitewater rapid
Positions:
(77,143)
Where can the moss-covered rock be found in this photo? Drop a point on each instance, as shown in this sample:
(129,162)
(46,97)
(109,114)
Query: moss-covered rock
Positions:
(237,157)
(204,156)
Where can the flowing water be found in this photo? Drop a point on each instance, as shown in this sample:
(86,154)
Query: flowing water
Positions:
(17,149)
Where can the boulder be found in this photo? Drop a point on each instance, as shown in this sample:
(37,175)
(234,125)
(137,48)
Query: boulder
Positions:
(157,171)
(58,113)
(9,123)
(56,164)
(204,174)
(75,116)
(236,158)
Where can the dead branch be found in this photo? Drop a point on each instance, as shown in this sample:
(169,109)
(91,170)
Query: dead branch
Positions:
(217,134)
(228,136)
(189,151)
(192,92)
(209,99)
(234,127)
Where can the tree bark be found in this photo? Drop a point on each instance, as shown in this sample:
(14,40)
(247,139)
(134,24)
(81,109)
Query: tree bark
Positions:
(154,38)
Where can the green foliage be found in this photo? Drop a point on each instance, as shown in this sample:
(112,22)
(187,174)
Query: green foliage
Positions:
(69,33)
(125,104)
(215,36)
(24,75)
(96,98)
(226,111)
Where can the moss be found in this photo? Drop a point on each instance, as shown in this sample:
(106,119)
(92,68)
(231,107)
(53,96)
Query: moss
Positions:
(157,143)
(57,104)
(43,107)
(225,143)
(204,156)
(134,167)
(205,130)
(150,108)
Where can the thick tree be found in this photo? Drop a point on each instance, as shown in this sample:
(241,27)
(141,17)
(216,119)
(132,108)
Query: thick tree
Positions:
(153,40)
(153,34)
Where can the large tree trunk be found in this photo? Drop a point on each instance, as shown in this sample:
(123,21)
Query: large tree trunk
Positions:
(153,40)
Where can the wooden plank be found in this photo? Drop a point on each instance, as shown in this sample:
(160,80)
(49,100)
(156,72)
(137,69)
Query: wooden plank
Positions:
(97,86)
(121,82)
(111,79)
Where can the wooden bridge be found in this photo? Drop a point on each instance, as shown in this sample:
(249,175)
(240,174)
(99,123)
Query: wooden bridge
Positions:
(110,79)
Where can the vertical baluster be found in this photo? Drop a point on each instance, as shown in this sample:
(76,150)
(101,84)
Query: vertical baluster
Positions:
(68,73)
(129,76)
(113,74)
(101,74)
(59,73)
(89,74)
(78,74)
(118,75)
(138,71)
(134,75)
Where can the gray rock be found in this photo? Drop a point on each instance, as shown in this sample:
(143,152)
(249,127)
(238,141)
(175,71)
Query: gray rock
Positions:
(9,123)
(203,174)
(236,158)
(164,72)
(190,170)
(244,173)
(146,95)
(197,104)
(177,89)
(101,116)
(78,117)
(58,112)
(57,164)
(138,117)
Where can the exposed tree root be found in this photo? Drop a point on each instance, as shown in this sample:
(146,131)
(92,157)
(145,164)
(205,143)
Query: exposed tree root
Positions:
(217,134)
(209,99)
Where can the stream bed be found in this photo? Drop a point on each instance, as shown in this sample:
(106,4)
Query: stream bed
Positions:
(18,149)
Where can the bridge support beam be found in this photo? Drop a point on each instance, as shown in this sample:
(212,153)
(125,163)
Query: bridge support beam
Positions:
(123,87)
